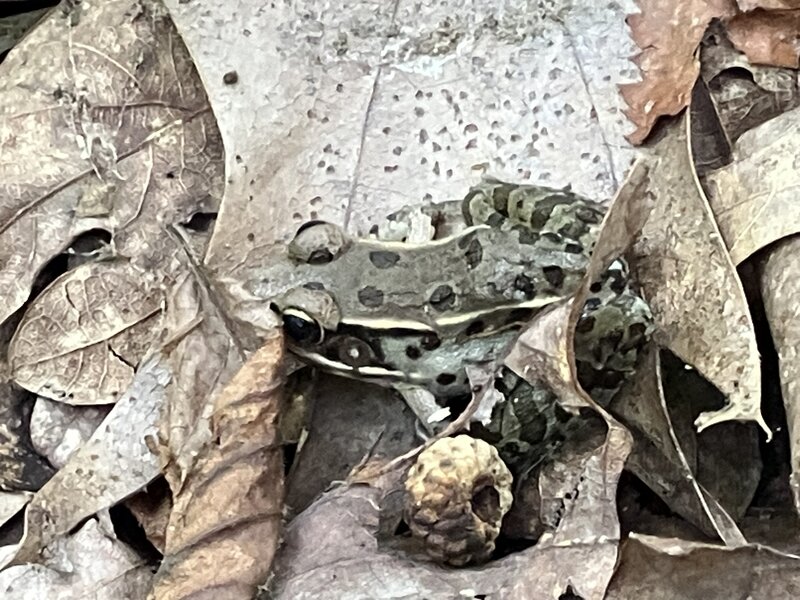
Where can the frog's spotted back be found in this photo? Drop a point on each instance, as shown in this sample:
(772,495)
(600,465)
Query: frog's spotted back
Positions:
(536,210)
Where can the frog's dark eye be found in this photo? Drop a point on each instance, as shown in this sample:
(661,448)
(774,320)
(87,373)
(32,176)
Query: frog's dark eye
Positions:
(301,327)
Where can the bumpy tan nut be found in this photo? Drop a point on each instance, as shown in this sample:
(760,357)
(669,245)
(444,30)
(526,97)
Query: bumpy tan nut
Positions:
(457,494)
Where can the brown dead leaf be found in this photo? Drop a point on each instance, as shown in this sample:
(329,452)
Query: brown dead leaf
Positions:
(754,198)
(105,126)
(21,467)
(669,34)
(331,549)
(745,5)
(99,566)
(382,129)
(365,420)
(81,338)
(780,288)
(691,284)
(665,453)
(768,37)
(744,95)
(225,523)
(654,568)
(115,463)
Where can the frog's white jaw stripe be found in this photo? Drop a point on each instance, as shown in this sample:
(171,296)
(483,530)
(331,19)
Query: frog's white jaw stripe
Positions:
(379,375)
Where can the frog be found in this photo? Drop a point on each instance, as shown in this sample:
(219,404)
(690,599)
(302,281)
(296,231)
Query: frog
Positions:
(416,313)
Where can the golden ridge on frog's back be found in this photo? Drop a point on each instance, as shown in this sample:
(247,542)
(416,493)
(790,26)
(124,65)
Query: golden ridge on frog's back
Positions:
(394,312)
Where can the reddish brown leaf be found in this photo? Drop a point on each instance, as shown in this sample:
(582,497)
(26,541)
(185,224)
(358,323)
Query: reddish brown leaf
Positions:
(668,34)
(768,37)
(224,526)
(767,4)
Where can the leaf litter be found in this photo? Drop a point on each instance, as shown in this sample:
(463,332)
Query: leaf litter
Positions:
(365,105)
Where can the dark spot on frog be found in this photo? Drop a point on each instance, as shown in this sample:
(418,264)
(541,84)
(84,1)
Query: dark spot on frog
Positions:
(618,281)
(430,342)
(384,259)
(524,284)
(592,304)
(552,237)
(474,254)
(596,287)
(413,352)
(445,379)
(585,325)
(495,219)
(370,296)
(443,298)
(475,327)
(587,215)
(636,336)
(554,275)
(573,248)
(540,216)
(526,236)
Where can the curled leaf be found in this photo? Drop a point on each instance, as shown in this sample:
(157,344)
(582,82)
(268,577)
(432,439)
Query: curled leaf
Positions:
(692,286)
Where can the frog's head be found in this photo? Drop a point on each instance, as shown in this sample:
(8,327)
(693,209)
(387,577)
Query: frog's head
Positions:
(307,314)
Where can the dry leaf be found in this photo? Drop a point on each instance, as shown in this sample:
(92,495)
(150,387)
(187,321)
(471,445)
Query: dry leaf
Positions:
(656,568)
(768,37)
(331,548)
(118,138)
(203,355)
(88,564)
(58,429)
(753,198)
(665,456)
(745,5)
(668,34)
(780,286)
(112,465)
(81,338)
(393,120)
(365,420)
(21,468)
(745,95)
(691,284)
(544,353)
(225,522)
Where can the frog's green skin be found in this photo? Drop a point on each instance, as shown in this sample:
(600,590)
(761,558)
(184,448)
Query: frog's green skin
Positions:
(398,313)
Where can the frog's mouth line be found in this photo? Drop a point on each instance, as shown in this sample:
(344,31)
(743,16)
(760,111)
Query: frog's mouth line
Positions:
(379,375)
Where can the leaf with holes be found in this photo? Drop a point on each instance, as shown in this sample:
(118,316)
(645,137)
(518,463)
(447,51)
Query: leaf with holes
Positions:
(82,337)
(104,124)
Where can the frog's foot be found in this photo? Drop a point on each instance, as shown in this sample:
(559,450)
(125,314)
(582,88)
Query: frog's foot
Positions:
(431,417)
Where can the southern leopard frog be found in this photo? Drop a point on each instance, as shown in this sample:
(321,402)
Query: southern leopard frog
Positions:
(400,313)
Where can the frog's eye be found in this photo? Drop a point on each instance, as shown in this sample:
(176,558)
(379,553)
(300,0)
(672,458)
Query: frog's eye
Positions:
(302,327)
(318,243)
